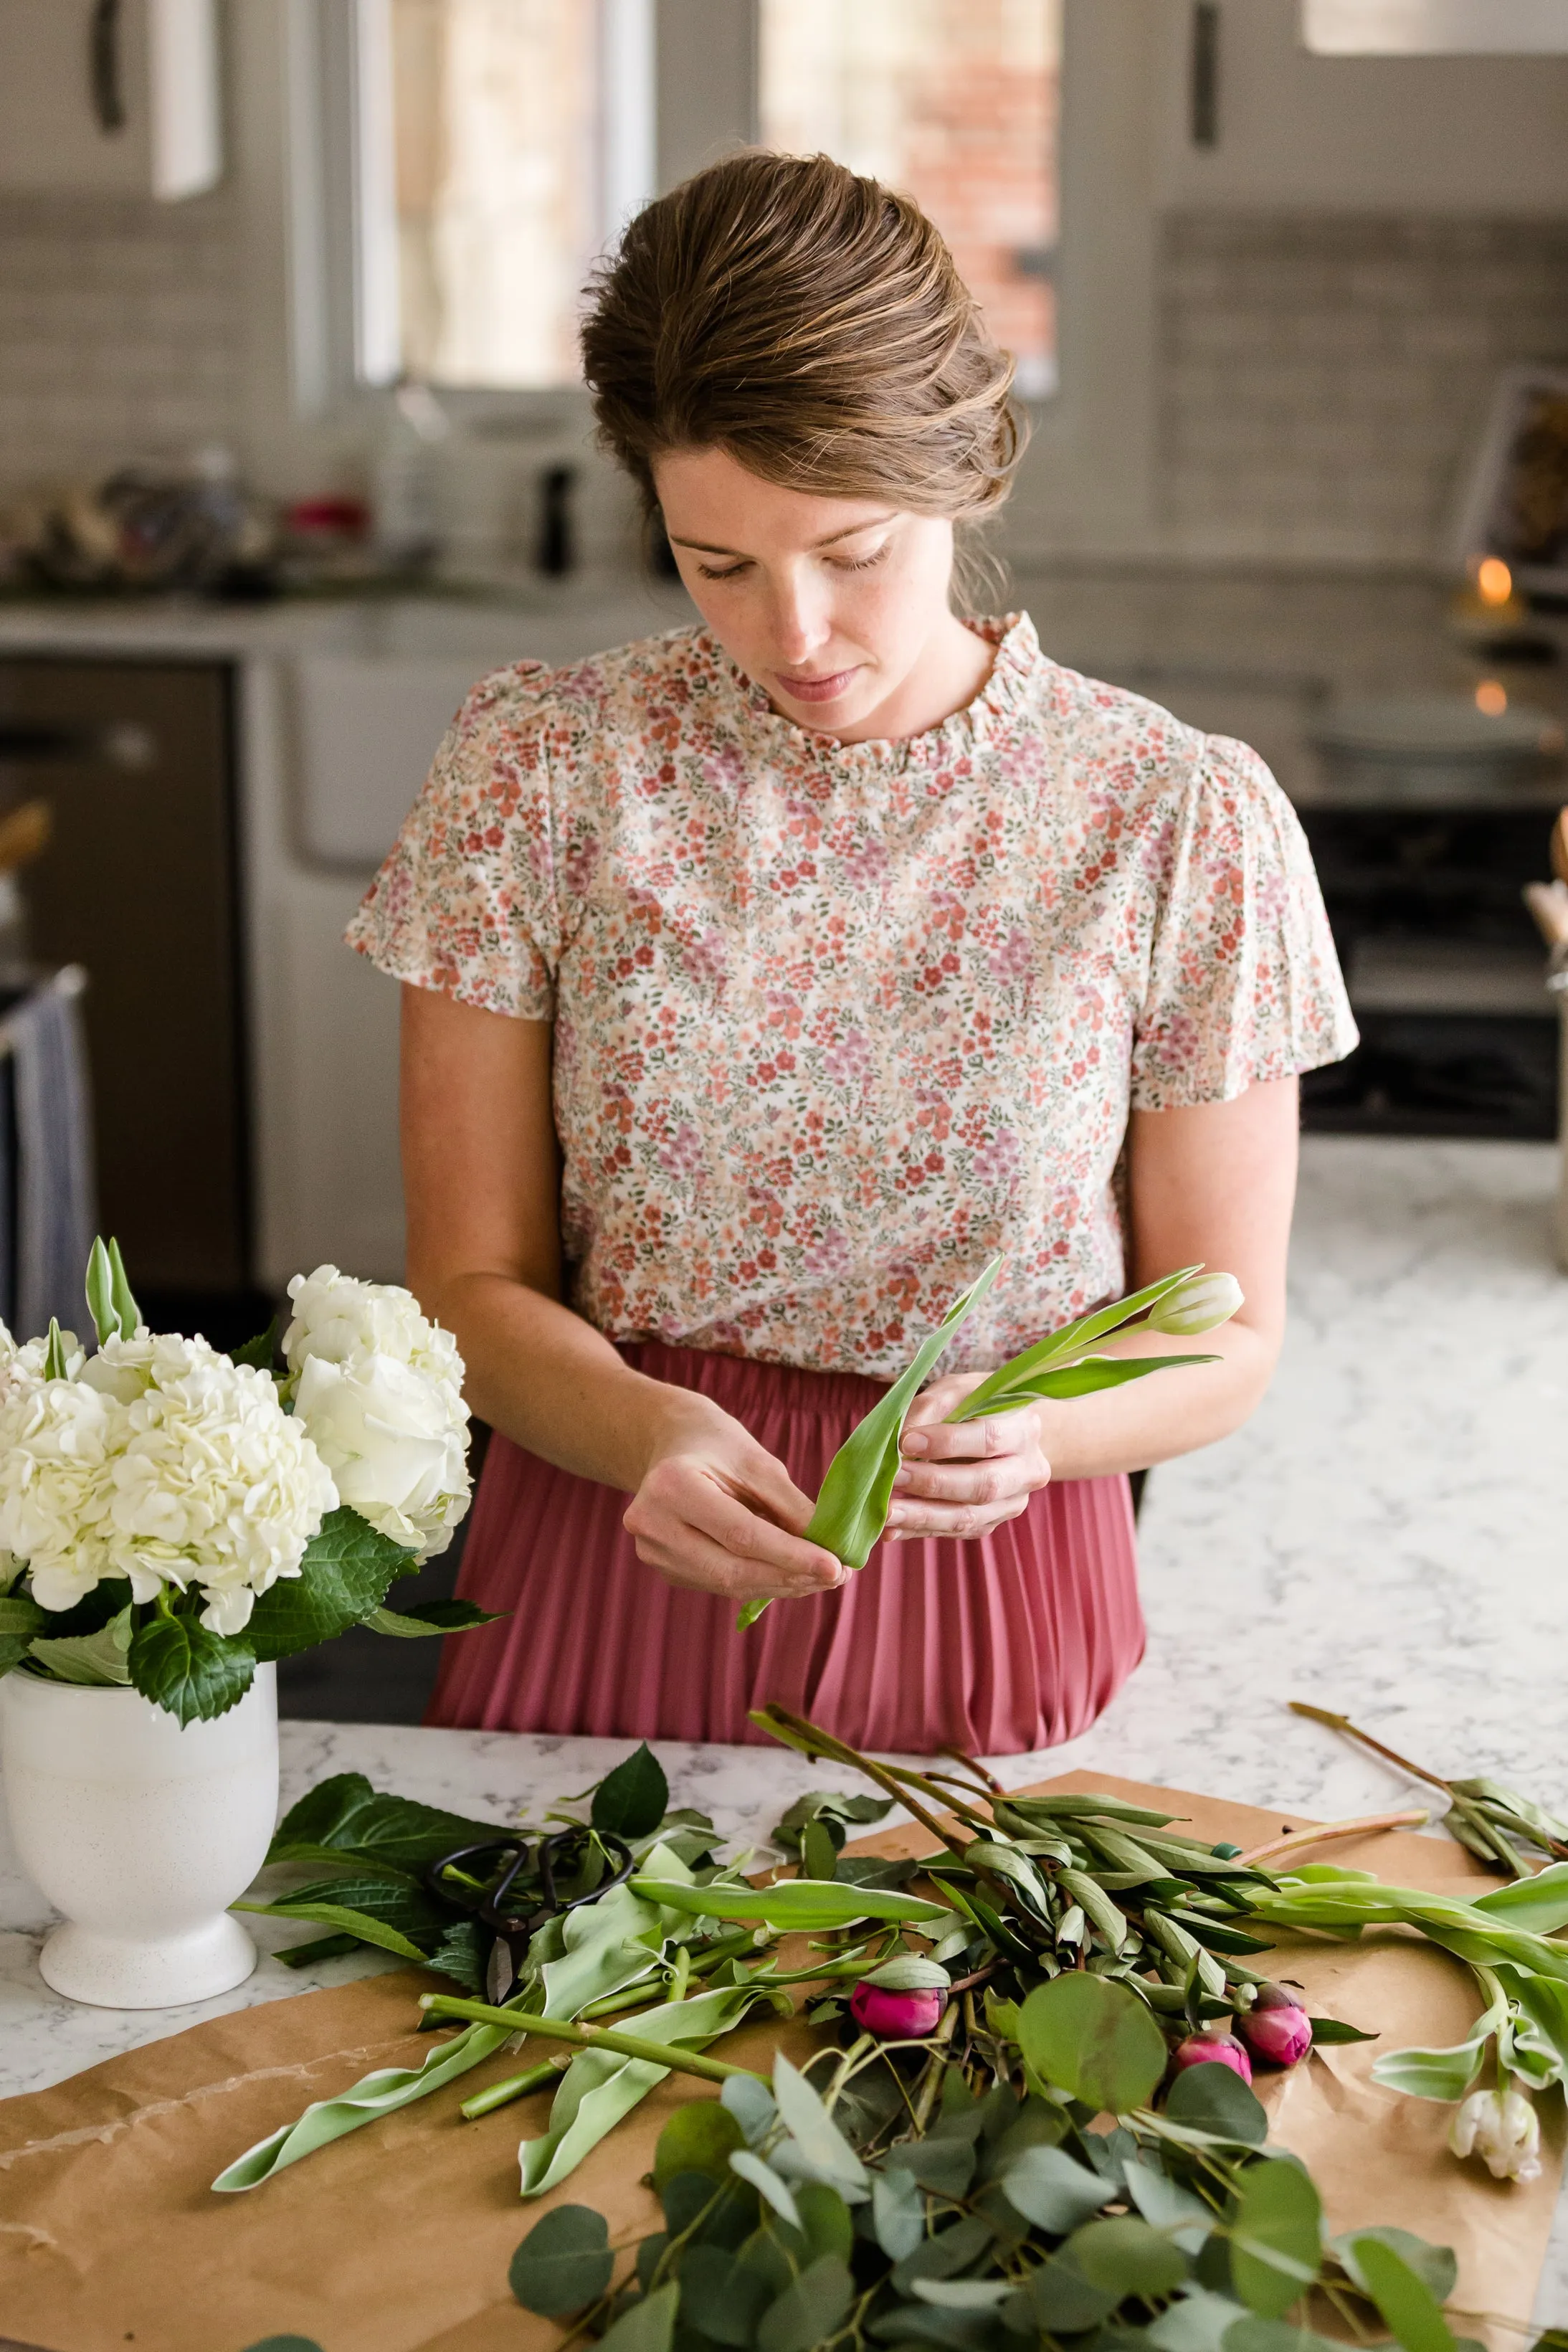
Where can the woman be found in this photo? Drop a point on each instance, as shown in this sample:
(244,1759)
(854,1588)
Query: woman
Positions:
(763,980)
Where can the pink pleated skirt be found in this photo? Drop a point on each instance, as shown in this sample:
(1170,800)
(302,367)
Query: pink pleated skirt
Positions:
(1012,1642)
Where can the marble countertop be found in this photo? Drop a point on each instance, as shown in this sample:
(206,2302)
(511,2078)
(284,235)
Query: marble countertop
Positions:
(1386,1537)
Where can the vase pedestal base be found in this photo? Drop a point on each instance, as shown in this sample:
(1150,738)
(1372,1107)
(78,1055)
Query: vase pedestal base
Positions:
(113,1972)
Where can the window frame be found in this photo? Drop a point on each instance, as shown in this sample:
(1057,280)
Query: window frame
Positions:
(1088,479)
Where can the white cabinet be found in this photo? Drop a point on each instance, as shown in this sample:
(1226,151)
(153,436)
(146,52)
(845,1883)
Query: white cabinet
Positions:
(119,100)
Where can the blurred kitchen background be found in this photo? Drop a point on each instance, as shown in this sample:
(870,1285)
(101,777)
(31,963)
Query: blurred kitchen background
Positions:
(292,449)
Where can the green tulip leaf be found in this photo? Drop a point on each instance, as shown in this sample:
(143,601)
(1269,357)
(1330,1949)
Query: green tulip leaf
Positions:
(853,1505)
(809,1905)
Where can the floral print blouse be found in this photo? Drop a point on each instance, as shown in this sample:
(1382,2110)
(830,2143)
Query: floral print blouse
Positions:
(834,1023)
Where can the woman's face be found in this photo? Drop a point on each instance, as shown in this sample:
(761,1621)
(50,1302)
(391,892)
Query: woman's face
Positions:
(832,605)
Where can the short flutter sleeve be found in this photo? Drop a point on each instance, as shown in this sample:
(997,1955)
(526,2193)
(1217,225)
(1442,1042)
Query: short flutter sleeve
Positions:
(466,902)
(1244,984)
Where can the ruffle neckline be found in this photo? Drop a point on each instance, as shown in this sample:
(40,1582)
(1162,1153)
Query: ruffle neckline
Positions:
(1016,663)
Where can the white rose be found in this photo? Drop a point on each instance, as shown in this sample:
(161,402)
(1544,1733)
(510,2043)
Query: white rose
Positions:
(395,1440)
(339,1319)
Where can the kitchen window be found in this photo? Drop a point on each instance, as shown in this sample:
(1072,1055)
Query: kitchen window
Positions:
(500,145)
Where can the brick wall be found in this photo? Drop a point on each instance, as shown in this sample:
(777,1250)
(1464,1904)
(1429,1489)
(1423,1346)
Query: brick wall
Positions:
(119,332)
(1324,379)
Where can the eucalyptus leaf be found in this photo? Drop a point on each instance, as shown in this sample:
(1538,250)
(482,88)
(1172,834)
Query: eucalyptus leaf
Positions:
(813,2130)
(700,2137)
(898,2213)
(563,2263)
(771,2185)
(1404,2302)
(721,2299)
(1093,2038)
(1165,2205)
(1049,2189)
(1125,2256)
(649,2325)
(811,2308)
(1435,2267)
(1211,2099)
(1275,2244)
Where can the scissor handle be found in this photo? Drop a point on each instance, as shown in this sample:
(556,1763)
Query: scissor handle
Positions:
(434,1873)
(486,1909)
(548,1849)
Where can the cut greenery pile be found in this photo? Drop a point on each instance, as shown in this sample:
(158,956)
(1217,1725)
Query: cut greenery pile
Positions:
(945,2185)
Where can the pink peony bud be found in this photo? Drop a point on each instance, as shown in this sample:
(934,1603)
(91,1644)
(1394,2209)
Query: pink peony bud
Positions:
(1277,2031)
(895,2016)
(1215,2050)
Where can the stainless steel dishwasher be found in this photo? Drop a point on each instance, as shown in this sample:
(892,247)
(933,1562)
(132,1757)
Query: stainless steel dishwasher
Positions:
(140,883)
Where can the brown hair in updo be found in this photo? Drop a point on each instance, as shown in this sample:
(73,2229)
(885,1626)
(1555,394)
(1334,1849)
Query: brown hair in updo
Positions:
(811,323)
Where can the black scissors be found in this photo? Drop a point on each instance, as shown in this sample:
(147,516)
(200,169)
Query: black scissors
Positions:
(486,1903)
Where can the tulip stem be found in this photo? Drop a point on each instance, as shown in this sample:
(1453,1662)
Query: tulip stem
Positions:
(1325,1833)
(680,2061)
(1352,1731)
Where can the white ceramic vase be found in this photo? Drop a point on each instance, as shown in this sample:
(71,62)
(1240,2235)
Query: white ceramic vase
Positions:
(139,1833)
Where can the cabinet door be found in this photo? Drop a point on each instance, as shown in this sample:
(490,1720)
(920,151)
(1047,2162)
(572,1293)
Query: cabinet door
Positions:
(51,136)
(139,884)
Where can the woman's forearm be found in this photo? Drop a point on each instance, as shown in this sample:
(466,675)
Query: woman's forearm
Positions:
(1169,1412)
(550,1382)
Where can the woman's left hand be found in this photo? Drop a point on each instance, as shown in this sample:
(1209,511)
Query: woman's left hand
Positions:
(963,1478)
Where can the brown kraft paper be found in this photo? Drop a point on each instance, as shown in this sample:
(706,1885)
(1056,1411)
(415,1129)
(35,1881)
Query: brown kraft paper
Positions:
(397,2238)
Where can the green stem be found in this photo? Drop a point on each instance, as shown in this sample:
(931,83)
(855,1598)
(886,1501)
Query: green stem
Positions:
(516,2087)
(680,2061)
(795,1731)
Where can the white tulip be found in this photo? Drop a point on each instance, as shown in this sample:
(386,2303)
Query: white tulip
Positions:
(1200,1304)
(1502,2128)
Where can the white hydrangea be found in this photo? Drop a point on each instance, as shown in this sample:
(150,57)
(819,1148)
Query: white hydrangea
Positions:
(379,1389)
(57,1441)
(213,1485)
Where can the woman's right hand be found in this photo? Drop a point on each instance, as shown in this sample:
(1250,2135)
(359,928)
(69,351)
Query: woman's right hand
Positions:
(716,1513)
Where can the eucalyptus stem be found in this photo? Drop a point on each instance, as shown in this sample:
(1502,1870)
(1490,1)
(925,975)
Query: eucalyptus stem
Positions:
(680,2061)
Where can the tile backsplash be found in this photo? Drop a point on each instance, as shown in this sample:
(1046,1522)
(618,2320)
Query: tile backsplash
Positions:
(1325,378)
(119,332)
